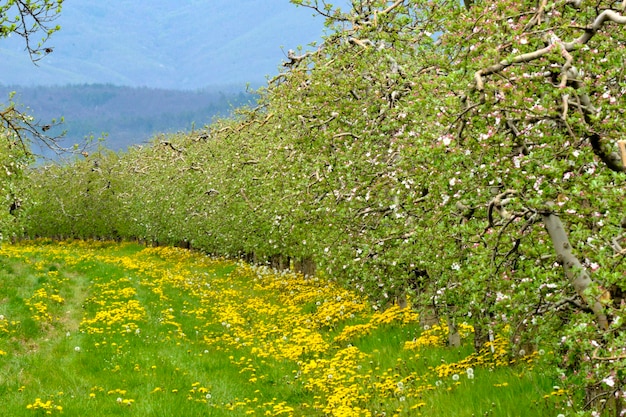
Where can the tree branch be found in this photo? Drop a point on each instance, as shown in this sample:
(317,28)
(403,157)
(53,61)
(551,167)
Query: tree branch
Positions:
(574,270)
(40,14)
(621,144)
(606,15)
(606,358)
(569,73)
(610,159)
(26,130)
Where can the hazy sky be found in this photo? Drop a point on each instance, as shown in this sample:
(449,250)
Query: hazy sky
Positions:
(182,44)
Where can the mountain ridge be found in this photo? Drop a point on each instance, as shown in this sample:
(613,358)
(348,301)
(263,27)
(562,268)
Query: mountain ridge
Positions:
(169,44)
(125,115)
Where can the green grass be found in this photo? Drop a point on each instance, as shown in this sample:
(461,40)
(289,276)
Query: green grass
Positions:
(107,329)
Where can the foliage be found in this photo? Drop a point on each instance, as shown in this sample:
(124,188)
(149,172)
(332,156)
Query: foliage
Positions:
(168,331)
(460,155)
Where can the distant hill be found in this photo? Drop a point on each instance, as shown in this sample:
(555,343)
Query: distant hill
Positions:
(128,115)
(172,44)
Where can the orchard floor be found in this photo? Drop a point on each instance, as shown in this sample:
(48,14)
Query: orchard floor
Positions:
(108,329)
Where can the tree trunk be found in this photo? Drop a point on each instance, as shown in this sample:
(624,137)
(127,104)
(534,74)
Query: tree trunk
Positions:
(305,265)
(481,333)
(454,338)
(574,270)
(279,262)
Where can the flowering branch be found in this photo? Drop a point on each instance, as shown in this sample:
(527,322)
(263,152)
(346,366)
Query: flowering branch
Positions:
(608,358)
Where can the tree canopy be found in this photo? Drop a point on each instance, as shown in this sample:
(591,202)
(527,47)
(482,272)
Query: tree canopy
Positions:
(462,156)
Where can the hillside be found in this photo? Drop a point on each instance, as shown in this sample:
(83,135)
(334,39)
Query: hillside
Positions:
(168,44)
(126,115)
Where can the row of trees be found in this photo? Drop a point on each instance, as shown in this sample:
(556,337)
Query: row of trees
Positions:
(462,155)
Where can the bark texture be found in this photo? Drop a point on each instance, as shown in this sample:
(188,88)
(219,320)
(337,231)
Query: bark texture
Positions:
(574,270)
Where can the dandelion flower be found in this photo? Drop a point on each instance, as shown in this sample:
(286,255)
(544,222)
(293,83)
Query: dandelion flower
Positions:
(455,377)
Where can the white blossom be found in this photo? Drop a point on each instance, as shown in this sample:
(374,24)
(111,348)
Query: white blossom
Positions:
(610,381)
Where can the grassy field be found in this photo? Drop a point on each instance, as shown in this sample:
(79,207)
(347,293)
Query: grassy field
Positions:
(108,329)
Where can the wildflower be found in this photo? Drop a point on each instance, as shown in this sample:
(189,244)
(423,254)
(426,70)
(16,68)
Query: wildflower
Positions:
(455,377)
(77,349)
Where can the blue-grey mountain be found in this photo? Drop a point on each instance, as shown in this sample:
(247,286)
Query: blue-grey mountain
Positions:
(172,44)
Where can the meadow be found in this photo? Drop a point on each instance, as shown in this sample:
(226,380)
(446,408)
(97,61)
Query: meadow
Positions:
(108,329)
